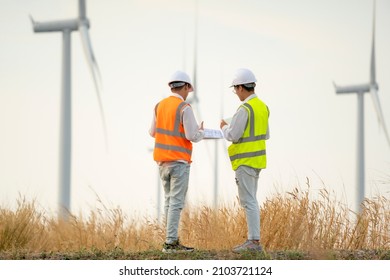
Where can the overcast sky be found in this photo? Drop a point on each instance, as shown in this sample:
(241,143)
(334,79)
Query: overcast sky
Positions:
(295,48)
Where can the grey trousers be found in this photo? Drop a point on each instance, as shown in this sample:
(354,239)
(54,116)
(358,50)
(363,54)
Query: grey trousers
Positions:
(174,177)
(247,179)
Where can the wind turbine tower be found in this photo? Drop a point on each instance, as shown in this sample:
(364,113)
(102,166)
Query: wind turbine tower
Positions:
(81,24)
(194,101)
(195,98)
(372,88)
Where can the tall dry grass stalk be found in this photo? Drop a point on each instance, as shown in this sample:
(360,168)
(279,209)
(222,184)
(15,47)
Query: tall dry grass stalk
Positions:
(290,221)
(294,221)
(21,228)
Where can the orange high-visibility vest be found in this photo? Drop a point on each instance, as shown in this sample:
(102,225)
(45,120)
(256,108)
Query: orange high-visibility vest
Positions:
(170,141)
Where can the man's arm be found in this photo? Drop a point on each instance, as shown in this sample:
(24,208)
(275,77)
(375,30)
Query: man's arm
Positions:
(233,131)
(193,132)
(152,129)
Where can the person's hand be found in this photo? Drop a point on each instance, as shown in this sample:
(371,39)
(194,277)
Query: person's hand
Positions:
(223,123)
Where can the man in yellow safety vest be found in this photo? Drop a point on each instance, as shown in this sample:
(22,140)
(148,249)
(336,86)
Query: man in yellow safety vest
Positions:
(248,131)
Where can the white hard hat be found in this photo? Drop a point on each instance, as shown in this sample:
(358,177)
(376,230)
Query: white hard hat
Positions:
(178,79)
(244,77)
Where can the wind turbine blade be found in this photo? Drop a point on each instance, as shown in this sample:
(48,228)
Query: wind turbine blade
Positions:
(372,66)
(86,41)
(32,20)
(378,109)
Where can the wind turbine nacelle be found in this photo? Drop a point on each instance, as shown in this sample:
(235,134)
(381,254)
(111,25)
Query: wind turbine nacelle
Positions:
(352,89)
(55,26)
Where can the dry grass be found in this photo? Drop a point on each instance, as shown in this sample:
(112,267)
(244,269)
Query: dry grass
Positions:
(294,221)
(290,221)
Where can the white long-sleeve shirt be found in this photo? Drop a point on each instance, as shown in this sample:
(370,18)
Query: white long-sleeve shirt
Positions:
(191,128)
(235,129)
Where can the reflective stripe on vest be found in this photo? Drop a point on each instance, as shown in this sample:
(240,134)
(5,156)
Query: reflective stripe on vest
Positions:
(250,149)
(170,141)
(172,148)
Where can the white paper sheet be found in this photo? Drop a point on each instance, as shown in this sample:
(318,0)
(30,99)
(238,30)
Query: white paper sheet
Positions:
(212,133)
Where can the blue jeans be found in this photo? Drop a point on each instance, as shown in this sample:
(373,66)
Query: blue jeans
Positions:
(247,179)
(174,177)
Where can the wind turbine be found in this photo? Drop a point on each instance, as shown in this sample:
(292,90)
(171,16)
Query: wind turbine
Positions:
(360,90)
(195,101)
(66,27)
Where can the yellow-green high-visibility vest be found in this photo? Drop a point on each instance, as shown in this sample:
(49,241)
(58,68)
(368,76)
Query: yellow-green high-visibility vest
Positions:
(250,149)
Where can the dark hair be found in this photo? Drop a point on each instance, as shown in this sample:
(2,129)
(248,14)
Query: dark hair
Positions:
(179,88)
(248,88)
